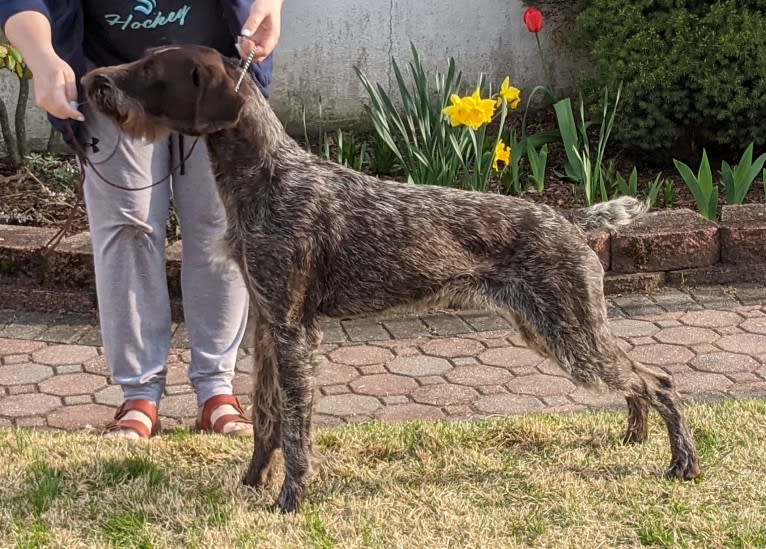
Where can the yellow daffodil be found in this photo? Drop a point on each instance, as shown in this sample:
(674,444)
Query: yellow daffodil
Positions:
(471,111)
(502,156)
(511,94)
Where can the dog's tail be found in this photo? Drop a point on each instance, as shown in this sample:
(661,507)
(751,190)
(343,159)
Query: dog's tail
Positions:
(607,215)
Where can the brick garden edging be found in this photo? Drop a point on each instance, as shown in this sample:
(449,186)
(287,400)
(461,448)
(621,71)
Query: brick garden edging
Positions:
(682,248)
(668,247)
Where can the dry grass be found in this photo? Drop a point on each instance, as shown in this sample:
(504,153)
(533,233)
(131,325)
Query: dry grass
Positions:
(533,481)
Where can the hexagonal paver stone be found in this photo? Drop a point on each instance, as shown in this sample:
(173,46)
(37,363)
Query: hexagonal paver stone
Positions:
(418,365)
(56,355)
(361,355)
(625,327)
(479,375)
(749,390)
(177,374)
(444,394)
(749,344)
(701,382)
(24,373)
(73,384)
(408,412)
(510,357)
(754,325)
(111,396)
(334,374)
(179,406)
(242,384)
(19,346)
(96,365)
(685,335)
(347,405)
(506,404)
(383,385)
(661,354)
(28,405)
(541,385)
(85,416)
(452,347)
(709,318)
(722,363)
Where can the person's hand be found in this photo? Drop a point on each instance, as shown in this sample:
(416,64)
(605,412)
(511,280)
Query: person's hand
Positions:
(55,87)
(261,30)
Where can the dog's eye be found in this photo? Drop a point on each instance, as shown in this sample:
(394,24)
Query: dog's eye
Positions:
(195,76)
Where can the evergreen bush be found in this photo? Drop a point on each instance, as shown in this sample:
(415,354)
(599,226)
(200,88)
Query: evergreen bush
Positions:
(693,71)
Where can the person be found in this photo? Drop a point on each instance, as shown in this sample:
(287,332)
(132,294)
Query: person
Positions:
(128,186)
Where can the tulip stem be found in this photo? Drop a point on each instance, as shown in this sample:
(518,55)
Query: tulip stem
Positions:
(546,69)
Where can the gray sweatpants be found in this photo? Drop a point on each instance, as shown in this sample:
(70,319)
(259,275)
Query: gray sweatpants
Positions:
(128,234)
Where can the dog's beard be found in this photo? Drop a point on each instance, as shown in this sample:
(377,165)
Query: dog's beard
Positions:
(128,114)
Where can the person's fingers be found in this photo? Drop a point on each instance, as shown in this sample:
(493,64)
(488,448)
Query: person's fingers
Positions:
(260,32)
(70,88)
(57,96)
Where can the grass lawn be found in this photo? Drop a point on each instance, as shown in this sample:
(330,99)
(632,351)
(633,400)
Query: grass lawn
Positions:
(530,481)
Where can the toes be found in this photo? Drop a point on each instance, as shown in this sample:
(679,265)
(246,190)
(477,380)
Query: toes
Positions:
(289,498)
(684,470)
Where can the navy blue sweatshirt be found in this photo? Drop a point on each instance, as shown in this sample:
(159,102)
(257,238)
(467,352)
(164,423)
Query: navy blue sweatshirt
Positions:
(67,23)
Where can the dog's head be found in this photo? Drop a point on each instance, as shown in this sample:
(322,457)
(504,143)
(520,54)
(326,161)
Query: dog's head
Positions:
(187,89)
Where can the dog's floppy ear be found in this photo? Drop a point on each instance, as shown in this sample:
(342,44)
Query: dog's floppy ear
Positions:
(218,105)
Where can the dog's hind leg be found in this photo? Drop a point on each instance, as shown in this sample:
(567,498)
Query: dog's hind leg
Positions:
(638,415)
(657,389)
(562,314)
(267,405)
(291,346)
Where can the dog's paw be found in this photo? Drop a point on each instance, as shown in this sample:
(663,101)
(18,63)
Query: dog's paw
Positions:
(289,497)
(257,477)
(634,436)
(686,468)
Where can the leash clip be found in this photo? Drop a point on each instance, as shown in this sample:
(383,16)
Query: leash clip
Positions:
(246,66)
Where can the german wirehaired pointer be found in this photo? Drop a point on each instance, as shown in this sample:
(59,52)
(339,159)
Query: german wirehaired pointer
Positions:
(314,238)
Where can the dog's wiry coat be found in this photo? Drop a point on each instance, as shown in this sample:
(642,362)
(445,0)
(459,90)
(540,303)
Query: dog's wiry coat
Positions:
(313,238)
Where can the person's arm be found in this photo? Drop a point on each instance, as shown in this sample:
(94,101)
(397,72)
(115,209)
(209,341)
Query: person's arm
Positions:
(53,79)
(263,26)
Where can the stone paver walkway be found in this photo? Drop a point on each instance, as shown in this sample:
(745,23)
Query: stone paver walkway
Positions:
(436,366)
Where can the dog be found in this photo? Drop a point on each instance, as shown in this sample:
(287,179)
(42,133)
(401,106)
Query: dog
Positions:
(314,238)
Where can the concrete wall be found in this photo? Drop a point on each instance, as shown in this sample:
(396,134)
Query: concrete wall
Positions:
(322,42)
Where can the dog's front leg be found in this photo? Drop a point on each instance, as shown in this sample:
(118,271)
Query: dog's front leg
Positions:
(267,406)
(292,354)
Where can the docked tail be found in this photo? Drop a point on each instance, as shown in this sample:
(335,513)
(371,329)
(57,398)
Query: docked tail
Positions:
(607,215)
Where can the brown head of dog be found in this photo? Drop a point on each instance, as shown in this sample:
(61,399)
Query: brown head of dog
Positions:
(189,90)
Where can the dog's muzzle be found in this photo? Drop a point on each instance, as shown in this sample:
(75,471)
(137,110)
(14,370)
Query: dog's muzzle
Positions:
(100,90)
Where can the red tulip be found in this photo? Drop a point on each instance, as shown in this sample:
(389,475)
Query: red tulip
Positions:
(534,20)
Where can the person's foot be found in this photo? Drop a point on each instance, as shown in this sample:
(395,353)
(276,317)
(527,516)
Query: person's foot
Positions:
(135,419)
(223,414)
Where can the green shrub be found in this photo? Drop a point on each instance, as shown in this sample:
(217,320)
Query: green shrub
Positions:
(694,71)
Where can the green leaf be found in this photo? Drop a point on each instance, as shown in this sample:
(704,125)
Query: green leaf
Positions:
(701,186)
(568,133)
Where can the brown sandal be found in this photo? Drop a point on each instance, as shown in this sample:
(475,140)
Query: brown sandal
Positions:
(145,407)
(204,422)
